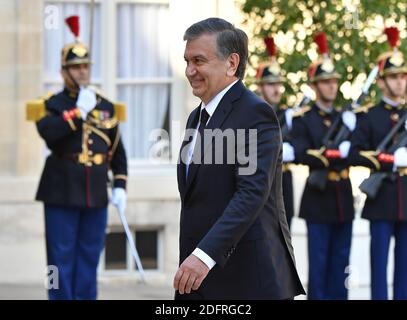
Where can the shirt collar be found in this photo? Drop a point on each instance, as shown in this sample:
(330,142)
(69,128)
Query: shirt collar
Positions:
(325,110)
(213,104)
(390,102)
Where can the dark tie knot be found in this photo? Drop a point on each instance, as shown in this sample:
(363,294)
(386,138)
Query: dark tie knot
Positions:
(204,117)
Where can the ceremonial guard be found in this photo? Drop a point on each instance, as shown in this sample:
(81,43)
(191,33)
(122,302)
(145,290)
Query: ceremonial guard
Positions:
(270,82)
(327,201)
(81,130)
(379,143)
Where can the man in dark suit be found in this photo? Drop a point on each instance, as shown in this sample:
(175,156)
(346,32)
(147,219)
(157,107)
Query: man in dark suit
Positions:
(234,237)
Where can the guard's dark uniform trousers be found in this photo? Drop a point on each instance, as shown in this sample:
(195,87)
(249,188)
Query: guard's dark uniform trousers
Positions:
(387,212)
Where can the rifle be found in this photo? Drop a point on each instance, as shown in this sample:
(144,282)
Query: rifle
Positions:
(318,177)
(371,185)
(285,131)
(344,132)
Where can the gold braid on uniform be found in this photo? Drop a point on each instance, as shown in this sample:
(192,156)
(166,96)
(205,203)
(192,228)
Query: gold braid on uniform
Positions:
(363,109)
(371,156)
(318,154)
(101,134)
(116,141)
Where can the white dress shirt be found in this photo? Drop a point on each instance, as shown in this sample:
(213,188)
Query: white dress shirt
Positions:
(210,108)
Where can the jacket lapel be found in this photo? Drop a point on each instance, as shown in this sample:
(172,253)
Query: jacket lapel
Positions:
(215,122)
(181,167)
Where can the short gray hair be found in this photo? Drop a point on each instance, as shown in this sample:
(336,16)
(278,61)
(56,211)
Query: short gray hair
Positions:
(229,40)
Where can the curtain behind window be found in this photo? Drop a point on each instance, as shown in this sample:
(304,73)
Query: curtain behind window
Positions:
(143,53)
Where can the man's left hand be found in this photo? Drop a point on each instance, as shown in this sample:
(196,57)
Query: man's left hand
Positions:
(190,275)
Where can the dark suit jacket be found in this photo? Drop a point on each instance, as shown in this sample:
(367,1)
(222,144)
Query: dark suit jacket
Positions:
(239,220)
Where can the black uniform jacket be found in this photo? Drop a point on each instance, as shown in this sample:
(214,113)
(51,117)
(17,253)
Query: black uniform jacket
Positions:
(335,203)
(390,203)
(82,152)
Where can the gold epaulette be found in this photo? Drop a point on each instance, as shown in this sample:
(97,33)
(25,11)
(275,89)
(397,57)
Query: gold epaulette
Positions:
(120,111)
(35,110)
(303,110)
(363,109)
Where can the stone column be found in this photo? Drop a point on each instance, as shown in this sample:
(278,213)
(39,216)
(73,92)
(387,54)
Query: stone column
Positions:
(28,156)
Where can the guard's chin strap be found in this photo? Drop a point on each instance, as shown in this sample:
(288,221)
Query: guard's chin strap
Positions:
(71,78)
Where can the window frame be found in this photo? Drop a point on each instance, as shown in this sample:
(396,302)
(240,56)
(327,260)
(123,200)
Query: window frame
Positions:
(130,263)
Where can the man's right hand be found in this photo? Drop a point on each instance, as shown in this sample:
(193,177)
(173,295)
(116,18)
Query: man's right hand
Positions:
(86,101)
(190,275)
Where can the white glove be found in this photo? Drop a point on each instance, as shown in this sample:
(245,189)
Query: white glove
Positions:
(288,152)
(289,118)
(349,119)
(400,157)
(119,198)
(86,101)
(344,149)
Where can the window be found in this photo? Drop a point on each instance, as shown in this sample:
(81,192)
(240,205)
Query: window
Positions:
(143,72)
(117,254)
(115,251)
(131,62)
(147,247)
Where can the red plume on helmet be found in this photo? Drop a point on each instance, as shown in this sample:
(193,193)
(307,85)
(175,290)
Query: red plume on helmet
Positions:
(73,24)
(270,46)
(322,43)
(393,36)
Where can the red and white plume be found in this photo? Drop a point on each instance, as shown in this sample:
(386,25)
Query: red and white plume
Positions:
(270,46)
(393,36)
(73,24)
(322,43)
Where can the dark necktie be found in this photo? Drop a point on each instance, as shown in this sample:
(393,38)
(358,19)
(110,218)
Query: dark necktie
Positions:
(199,142)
